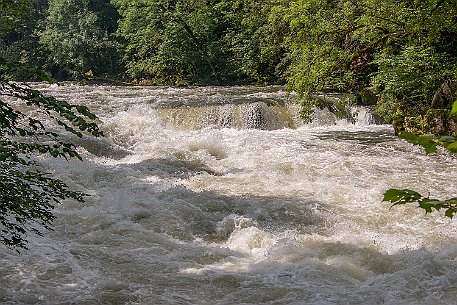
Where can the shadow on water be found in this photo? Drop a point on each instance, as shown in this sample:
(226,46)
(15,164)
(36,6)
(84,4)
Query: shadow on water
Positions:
(292,271)
(333,273)
(171,168)
(100,147)
(149,244)
(359,137)
(208,214)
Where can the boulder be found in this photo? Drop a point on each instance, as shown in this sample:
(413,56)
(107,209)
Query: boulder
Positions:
(445,96)
(435,121)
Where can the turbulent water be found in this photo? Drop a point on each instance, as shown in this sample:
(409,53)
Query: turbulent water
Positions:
(221,196)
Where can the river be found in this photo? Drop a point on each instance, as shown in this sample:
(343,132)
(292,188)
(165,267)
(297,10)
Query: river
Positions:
(219,195)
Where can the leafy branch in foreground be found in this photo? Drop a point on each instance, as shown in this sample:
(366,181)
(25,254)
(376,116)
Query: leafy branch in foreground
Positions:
(430,142)
(398,197)
(32,124)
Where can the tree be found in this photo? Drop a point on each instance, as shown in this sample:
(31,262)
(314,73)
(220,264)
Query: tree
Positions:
(77,39)
(202,42)
(169,42)
(418,56)
(32,124)
(12,13)
(254,39)
(403,51)
(20,43)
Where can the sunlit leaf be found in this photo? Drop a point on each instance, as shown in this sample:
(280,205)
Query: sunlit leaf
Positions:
(397,197)
(429,204)
(454,107)
(401,196)
(450,212)
(452,147)
(428,143)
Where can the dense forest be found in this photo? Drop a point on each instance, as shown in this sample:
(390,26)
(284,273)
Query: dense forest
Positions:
(400,56)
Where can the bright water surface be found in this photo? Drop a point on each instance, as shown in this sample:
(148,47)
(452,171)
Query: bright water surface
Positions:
(221,196)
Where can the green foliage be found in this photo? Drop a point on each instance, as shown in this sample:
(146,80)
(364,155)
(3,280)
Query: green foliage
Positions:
(162,43)
(452,147)
(27,195)
(174,42)
(31,125)
(318,47)
(407,79)
(256,40)
(12,13)
(430,142)
(404,50)
(20,44)
(454,108)
(398,197)
(75,39)
(401,52)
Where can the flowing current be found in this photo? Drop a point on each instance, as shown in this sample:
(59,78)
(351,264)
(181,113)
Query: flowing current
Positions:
(221,196)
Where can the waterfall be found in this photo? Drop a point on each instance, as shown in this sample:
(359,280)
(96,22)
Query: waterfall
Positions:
(255,115)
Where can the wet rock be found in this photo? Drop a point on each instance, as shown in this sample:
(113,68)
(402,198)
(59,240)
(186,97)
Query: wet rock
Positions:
(446,95)
(435,121)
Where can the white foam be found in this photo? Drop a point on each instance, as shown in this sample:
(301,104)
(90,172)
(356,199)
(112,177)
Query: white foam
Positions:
(233,216)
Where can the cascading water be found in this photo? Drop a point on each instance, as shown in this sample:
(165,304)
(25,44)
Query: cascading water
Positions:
(221,196)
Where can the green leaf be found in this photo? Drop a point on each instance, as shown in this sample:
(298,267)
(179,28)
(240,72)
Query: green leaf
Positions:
(396,196)
(85,111)
(452,201)
(429,204)
(454,107)
(447,139)
(44,76)
(450,212)
(452,147)
(54,152)
(408,136)
(428,143)
(27,195)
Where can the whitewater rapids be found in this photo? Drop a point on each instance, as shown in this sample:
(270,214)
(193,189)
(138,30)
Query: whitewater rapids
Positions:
(222,196)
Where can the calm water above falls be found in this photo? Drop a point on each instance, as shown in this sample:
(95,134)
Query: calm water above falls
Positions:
(221,196)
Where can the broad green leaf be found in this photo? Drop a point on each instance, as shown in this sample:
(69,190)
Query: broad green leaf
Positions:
(452,201)
(429,204)
(452,147)
(454,108)
(428,143)
(396,196)
(450,212)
